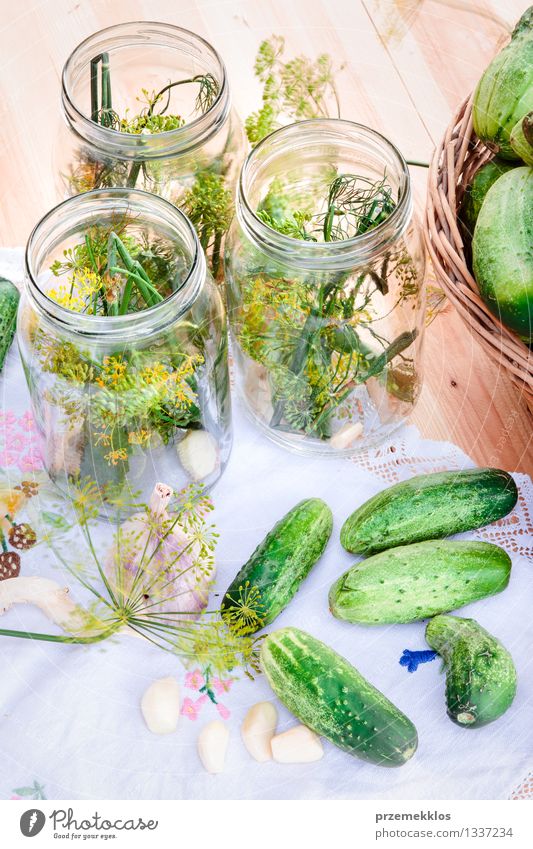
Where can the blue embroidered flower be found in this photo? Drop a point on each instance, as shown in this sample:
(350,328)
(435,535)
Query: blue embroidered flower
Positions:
(412,659)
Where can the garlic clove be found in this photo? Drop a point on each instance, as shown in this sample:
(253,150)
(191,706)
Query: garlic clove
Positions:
(258,728)
(346,436)
(298,745)
(212,746)
(160,706)
(198,454)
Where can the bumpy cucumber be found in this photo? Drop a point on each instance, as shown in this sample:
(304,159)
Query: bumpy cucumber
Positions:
(415,581)
(270,578)
(522,138)
(477,189)
(504,93)
(330,696)
(429,507)
(9,299)
(502,255)
(480,673)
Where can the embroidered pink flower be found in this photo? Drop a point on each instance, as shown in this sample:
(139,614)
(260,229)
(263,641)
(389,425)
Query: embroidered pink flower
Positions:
(26,421)
(194,680)
(220,687)
(8,418)
(192,709)
(16,797)
(16,442)
(7,458)
(31,462)
(223,711)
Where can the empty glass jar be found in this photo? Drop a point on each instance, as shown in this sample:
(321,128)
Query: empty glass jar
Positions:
(122,334)
(147,106)
(324,274)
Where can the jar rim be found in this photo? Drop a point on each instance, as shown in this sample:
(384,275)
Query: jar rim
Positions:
(116,327)
(140,145)
(340,254)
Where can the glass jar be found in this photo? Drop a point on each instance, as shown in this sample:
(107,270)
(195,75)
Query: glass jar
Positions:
(327,333)
(122,401)
(194,165)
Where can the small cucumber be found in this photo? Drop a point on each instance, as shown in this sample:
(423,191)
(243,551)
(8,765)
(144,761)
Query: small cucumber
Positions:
(502,254)
(480,673)
(270,578)
(477,189)
(429,507)
(9,300)
(332,698)
(415,581)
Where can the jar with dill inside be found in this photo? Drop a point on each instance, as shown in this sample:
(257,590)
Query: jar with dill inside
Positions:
(122,335)
(325,284)
(147,106)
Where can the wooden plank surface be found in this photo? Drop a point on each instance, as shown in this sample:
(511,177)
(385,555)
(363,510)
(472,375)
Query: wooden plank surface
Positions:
(407,64)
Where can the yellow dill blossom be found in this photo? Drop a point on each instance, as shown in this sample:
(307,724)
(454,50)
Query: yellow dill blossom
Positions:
(117,454)
(138,437)
(85,282)
(65,298)
(156,373)
(103,439)
(113,370)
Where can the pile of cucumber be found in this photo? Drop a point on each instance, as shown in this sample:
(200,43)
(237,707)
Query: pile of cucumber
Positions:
(412,573)
(497,207)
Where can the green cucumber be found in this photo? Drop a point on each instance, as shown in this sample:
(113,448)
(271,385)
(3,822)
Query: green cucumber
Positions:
(331,697)
(480,673)
(416,581)
(477,189)
(9,300)
(522,138)
(504,93)
(502,250)
(429,507)
(270,578)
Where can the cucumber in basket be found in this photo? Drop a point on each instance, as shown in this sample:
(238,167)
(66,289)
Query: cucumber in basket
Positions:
(332,698)
(429,507)
(270,578)
(416,581)
(480,673)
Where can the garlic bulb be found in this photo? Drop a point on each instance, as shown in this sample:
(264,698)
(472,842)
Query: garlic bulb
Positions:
(174,578)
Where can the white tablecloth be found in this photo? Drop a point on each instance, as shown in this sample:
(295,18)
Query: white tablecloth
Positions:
(70,722)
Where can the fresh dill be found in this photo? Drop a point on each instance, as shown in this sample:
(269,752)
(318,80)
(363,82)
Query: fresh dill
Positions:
(293,90)
(153,582)
(353,206)
(154,116)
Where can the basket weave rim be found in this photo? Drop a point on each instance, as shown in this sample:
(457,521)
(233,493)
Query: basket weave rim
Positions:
(454,163)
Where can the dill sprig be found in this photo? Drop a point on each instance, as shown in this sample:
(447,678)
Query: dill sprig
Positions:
(354,205)
(105,275)
(153,117)
(145,599)
(293,90)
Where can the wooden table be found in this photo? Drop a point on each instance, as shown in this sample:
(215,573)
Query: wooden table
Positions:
(408,63)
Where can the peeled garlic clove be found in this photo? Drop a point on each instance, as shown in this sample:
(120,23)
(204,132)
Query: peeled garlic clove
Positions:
(198,453)
(212,746)
(346,436)
(160,706)
(298,745)
(258,728)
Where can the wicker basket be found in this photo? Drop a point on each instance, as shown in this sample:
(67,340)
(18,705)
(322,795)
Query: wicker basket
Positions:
(455,161)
